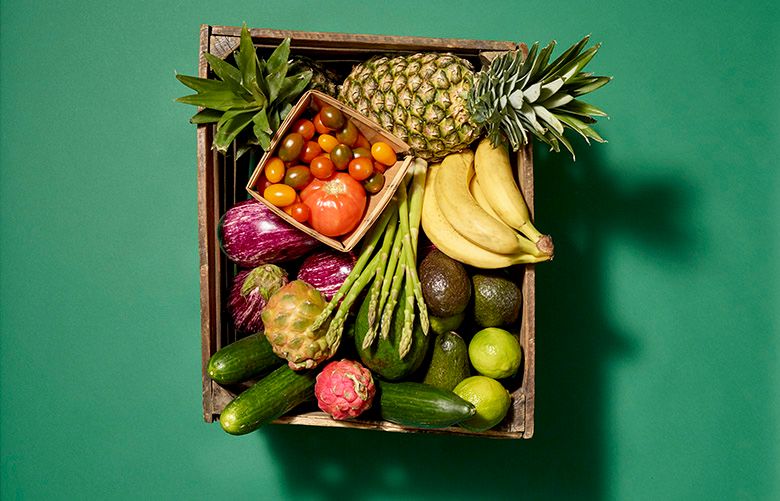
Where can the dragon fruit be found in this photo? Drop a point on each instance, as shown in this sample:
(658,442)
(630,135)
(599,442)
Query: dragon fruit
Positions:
(344,389)
(249,295)
(288,317)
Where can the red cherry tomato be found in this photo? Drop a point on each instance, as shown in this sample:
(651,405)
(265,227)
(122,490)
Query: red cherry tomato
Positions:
(361,168)
(336,204)
(262,184)
(279,194)
(379,167)
(319,126)
(383,153)
(310,151)
(305,128)
(321,167)
(274,170)
(300,212)
(362,142)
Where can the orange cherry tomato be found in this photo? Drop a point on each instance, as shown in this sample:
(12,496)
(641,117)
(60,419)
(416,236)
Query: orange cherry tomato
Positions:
(327,142)
(319,126)
(362,142)
(310,151)
(379,167)
(279,194)
(305,128)
(274,170)
(383,153)
(336,204)
(361,168)
(321,167)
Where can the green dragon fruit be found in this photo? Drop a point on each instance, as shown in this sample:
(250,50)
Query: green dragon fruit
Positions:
(288,317)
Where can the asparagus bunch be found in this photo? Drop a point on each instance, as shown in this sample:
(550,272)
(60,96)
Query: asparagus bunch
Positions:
(390,268)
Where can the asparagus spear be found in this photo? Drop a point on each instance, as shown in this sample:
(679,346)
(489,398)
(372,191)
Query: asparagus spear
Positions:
(373,301)
(408,253)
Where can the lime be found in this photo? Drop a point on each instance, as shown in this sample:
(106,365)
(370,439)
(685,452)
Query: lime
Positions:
(495,353)
(490,399)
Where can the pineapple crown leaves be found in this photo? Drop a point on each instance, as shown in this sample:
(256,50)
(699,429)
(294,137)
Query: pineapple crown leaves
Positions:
(255,92)
(516,96)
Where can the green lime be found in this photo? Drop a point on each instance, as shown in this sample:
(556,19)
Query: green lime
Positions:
(495,353)
(490,399)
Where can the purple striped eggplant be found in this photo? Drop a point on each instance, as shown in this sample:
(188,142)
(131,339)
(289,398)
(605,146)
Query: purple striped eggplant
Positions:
(326,270)
(249,294)
(251,235)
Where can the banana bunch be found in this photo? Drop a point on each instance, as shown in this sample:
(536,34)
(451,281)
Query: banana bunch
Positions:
(473,210)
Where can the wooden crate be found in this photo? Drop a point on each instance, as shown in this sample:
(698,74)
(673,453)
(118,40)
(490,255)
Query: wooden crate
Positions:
(221,183)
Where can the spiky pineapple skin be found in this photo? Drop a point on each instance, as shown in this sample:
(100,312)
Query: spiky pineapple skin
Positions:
(419,98)
(287,319)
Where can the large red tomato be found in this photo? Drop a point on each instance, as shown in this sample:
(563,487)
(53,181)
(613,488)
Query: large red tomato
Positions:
(336,204)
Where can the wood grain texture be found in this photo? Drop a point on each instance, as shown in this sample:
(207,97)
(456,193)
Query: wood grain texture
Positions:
(221,184)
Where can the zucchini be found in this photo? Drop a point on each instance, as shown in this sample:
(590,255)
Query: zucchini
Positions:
(421,405)
(242,360)
(271,397)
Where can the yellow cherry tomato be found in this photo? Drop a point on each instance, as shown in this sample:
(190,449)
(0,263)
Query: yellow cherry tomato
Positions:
(383,153)
(280,194)
(274,170)
(327,142)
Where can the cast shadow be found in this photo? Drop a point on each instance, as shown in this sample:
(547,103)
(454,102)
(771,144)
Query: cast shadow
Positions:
(576,341)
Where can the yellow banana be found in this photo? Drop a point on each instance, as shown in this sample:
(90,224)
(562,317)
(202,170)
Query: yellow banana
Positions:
(495,177)
(449,241)
(463,212)
(481,199)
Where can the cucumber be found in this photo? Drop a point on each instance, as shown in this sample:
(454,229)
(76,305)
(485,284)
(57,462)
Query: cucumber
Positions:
(421,405)
(242,360)
(271,397)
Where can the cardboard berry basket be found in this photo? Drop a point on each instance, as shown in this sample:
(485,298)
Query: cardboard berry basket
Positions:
(373,133)
(223,180)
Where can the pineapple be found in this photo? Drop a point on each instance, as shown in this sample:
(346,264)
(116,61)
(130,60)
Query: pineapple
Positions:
(438,105)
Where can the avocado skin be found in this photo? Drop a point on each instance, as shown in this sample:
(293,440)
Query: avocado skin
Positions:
(449,363)
(497,300)
(445,284)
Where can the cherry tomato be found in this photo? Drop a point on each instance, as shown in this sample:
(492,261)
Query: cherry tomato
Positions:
(383,153)
(322,167)
(374,183)
(305,128)
(262,183)
(361,152)
(288,208)
(298,177)
(362,142)
(274,170)
(300,212)
(279,194)
(310,151)
(379,167)
(291,147)
(348,134)
(327,142)
(336,205)
(331,117)
(361,168)
(341,156)
(319,126)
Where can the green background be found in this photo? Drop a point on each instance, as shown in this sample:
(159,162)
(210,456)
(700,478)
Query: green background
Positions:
(657,349)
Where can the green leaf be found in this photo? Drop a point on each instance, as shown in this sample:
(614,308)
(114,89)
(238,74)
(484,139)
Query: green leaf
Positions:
(580,126)
(247,63)
(206,116)
(201,84)
(598,83)
(541,62)
(578,63)
(293,86)
(578,107)
(557,100)
(559,137)
(229,126)
(226,71)
(222,100)
(564,58)
(548,118)
(276,68)
(261,123)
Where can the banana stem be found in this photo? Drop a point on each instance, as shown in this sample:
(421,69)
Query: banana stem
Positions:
(369,245)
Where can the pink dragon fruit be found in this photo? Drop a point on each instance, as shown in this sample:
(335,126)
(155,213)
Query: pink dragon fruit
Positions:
(344,389)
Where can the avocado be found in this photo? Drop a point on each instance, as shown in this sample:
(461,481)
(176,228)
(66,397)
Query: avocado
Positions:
(449,363)
(497,300)
(382,356)
(445,284)
(442,325)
